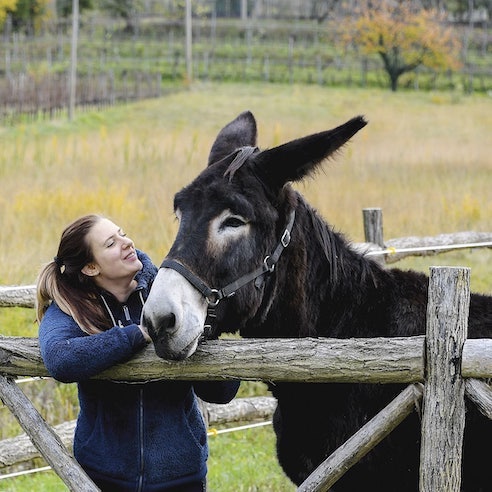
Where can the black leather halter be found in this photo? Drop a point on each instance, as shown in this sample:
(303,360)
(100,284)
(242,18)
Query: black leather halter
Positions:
(214,296)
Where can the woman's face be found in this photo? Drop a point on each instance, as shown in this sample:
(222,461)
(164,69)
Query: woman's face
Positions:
(115,258)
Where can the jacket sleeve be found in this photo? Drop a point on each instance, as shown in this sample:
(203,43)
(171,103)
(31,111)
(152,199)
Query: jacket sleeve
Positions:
(216,391)
(71,355)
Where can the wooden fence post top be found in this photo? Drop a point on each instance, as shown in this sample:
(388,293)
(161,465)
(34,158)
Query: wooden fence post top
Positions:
(373,225)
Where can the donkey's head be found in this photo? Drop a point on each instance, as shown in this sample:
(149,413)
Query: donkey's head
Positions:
(235,219)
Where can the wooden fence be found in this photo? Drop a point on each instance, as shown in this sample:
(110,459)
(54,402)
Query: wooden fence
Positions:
(28,97)
(425,362)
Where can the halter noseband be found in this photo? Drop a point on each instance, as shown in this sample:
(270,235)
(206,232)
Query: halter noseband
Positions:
(214,296)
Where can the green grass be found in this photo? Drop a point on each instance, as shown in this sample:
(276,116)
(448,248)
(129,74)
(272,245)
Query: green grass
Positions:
(424,159)
(246,453)
(45,481)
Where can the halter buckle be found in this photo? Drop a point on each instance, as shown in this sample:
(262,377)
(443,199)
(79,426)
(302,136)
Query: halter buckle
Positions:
(285,239)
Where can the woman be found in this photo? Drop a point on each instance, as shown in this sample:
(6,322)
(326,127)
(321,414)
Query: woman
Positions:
(129,437)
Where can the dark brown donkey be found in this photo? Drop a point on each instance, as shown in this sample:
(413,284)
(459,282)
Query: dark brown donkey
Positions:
(254,251)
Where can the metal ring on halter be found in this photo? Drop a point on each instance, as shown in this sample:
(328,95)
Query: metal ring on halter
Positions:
(271,267)
(213,302)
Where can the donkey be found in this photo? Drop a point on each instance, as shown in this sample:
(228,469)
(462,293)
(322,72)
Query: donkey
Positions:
(287,273)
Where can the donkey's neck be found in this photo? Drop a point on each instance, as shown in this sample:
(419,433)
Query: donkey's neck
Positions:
(321,283)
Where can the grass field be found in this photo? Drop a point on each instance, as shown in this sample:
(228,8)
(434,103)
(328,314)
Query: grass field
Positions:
(424,159)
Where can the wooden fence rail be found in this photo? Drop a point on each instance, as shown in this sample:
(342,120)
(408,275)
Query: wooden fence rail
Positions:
(326,360)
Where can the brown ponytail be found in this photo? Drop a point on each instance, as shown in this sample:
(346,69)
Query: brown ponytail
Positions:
(63,282)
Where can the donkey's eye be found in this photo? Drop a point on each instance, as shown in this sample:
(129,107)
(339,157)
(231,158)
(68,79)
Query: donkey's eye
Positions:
(234,221)
(226,229)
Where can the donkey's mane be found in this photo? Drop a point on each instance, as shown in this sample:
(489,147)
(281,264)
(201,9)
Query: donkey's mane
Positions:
(341,258)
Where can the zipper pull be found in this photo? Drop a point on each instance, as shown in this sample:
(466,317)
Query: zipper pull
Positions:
(127,313)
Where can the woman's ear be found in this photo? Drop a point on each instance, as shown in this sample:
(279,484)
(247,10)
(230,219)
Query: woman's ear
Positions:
(90,270)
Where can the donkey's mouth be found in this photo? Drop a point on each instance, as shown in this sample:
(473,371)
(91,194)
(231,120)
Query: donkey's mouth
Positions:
(165,350)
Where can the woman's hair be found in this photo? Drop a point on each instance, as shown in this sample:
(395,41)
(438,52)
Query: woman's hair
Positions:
(63,282)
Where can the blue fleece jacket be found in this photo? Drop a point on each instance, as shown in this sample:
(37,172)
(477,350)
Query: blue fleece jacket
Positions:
(137,437)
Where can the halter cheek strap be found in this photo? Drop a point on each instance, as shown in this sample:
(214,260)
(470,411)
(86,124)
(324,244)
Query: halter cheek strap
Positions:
(207,292)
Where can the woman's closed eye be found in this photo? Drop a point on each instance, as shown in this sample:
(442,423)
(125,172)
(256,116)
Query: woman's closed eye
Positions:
(111,241)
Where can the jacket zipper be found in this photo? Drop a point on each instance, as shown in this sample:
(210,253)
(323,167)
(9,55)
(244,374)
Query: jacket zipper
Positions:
(126,312)
(140,416)
(141,439)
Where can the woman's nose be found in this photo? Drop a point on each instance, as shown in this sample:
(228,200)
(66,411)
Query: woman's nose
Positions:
(127,242)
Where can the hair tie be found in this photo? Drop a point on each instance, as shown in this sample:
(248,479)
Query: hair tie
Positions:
(59,263)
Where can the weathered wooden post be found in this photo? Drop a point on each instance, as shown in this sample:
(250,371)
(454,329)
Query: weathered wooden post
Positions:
(373,226)
(373,229)
(443,418)
(73,60)
(44,438)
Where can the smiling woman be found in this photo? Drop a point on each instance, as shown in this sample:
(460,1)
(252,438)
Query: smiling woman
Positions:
(115,260)
(94,256)
(149,436)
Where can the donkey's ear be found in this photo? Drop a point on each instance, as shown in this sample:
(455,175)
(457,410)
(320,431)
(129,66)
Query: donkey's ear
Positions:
(238,133)
(298,158)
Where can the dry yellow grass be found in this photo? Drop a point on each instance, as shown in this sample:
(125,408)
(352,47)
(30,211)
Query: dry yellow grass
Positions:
(424,159)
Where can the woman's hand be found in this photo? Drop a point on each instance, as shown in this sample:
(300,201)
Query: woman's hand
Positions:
(145,334)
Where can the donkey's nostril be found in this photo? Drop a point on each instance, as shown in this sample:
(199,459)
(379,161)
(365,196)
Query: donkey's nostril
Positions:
(168,321)
(157,327)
